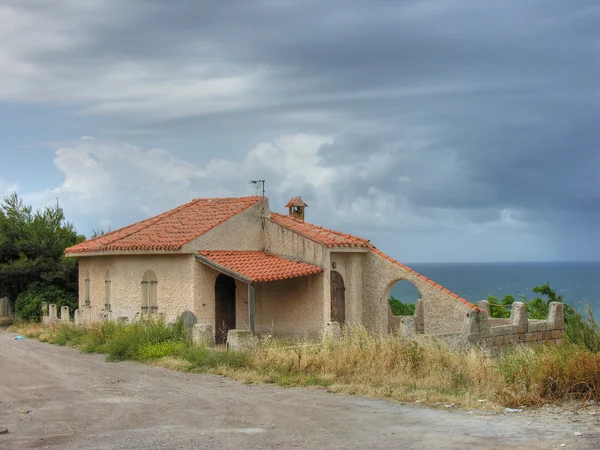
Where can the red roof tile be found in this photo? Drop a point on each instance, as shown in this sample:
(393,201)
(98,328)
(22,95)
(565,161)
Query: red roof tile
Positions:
(296,201)
(260,266)
(321,235)
(169,230)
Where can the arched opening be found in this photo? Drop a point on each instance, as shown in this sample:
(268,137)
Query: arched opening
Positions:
(338,298)
(149,293)
(224,307)
(402,298)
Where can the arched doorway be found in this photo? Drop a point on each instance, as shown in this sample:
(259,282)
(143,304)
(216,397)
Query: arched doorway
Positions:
(338,298)
(224,307)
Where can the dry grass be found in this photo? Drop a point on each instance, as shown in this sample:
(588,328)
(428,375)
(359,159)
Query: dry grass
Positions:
(5,321)
(359,363)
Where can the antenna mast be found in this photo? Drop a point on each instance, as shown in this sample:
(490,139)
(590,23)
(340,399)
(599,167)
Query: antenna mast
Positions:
(259,184)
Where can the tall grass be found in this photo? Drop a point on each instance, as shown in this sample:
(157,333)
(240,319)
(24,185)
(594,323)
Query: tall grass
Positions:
(381,366)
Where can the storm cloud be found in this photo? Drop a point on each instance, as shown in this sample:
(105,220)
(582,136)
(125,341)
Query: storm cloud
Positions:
(446,130)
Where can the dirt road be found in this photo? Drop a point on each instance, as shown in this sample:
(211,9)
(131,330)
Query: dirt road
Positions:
(53,397)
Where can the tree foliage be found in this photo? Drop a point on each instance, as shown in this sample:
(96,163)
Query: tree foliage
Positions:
(32,248)
(401,309)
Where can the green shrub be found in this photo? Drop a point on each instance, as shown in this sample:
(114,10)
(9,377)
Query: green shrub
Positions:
(401,309)
(153,351)
(29,304)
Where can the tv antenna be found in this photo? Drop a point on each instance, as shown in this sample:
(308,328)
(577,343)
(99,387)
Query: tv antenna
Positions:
(259,184)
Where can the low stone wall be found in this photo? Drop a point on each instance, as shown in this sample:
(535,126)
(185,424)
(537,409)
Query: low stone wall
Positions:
(50,315)
(493,335)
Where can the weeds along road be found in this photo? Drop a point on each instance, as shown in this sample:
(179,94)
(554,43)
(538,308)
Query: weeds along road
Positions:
(54,397)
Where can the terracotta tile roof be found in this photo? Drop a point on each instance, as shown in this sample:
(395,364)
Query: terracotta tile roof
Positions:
(169,230)
(330,238)
(259,266)
(296,201)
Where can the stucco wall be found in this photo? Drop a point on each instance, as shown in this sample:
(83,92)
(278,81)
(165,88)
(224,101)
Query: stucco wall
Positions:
(284,242)
(442,313)
(174,274)
(349,265)
(290,307)
(244,231)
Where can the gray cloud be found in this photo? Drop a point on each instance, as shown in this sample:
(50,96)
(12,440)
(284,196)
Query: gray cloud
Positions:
(463,113)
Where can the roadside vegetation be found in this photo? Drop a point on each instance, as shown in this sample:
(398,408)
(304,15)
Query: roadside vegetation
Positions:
(380,366)
(32,262)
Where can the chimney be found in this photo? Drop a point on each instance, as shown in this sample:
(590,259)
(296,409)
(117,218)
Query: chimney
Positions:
(296,208)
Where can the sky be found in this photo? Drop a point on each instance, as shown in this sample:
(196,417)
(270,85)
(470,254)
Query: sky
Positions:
(441,130)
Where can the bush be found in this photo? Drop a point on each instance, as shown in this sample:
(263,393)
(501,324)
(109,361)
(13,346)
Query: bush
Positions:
(28,305)
(401,309)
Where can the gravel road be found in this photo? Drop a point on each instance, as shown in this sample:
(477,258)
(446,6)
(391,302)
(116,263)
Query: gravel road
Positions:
(54,397)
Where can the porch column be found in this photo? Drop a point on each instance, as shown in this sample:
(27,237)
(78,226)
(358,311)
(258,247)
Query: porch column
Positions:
(251,306)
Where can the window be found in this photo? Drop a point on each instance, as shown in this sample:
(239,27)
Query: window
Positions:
(149,293)
(87,301)
(107,305)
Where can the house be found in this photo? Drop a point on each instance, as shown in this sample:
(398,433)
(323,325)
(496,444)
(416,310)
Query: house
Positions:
(233,264)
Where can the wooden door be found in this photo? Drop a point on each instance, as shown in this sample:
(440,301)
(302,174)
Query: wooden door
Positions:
(338,298)
(224,307)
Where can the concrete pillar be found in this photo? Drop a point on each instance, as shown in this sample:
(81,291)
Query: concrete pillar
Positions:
(240,340)
(407,328)
(332,332)
(419,317)
(77,318)
(518,317)
(556,315)
(52,312)
(203,335)
(64,314)
(485,307)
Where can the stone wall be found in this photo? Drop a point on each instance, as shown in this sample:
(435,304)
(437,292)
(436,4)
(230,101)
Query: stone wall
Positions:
(494,335)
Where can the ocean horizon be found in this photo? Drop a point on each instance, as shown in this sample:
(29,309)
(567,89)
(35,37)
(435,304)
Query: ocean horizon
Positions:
(578,282)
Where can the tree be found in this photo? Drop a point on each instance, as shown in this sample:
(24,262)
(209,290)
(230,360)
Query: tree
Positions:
(32,248)
(401,309)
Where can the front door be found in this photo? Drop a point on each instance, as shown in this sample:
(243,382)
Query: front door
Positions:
(338,298)
(224,307)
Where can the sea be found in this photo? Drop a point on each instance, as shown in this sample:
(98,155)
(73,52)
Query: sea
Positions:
(577,282)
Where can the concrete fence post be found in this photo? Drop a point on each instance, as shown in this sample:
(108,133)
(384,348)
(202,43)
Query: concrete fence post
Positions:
(556,315)
(77,318)
(52,311)
(240,340)
(518,317)
(64,314)
(332,332)
(203,335)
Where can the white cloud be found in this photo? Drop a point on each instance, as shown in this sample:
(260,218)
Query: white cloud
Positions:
(111,184)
